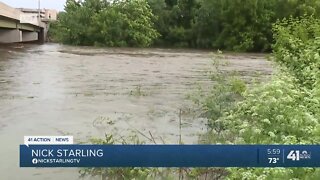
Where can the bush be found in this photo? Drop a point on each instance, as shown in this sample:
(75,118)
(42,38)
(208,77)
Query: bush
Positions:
(297,48)
(286,110)
(283,111)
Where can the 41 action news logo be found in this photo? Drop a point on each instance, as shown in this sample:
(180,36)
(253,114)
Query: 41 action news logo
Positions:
(297,155)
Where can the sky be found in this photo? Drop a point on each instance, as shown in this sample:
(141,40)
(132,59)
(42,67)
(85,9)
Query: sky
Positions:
(48,4)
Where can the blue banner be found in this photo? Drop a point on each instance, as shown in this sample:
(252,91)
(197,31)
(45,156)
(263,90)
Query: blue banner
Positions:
(170,156)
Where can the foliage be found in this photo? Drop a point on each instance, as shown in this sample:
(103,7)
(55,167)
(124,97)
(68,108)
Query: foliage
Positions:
(98,22)
(297,48)
(285,110)
(146,173)
(238,25)
(235,24)
(282,111)
(278,112)
(275,174)
(245,25)
(219,99)
(119,173)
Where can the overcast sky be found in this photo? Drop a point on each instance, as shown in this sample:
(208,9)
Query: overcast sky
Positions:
(48,4)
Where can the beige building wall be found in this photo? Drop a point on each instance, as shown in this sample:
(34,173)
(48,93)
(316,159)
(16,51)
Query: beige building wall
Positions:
(51,14)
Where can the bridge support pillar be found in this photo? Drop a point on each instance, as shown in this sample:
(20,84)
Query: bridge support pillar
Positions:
(10,35)
(41,36)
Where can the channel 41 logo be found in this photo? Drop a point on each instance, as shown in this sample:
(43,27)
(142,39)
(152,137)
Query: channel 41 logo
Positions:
(297,155)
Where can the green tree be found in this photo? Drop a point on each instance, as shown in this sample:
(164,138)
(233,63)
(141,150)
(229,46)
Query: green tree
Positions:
(237,25)
(243,25)
(98,22)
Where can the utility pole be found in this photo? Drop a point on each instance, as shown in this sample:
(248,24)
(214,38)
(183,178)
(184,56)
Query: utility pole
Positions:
(39,14)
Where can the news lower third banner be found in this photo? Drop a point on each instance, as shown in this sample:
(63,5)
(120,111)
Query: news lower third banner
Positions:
(72,155)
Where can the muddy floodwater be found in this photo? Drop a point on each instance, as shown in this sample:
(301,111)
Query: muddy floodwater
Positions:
(86,92)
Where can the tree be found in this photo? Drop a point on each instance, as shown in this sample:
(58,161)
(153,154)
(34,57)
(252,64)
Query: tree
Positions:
(237,25)
(98,22)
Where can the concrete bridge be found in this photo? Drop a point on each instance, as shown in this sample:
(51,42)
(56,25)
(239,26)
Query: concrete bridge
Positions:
(15,27)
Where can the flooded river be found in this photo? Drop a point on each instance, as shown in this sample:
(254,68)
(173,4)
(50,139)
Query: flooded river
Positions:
(86,92)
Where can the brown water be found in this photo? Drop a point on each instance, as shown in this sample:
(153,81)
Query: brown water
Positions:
(86,92)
